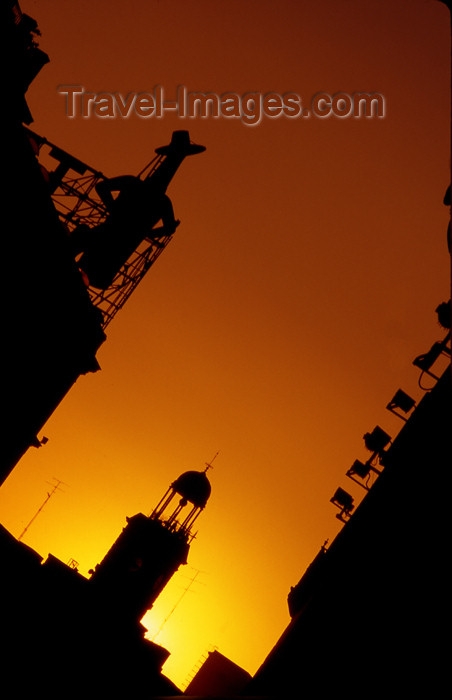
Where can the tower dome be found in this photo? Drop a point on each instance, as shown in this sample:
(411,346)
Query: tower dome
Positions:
(194,487)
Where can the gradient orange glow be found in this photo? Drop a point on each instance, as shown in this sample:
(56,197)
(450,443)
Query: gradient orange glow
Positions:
(284,314)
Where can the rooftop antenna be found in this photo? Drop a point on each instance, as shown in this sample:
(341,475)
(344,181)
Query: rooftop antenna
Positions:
(209,464)
(48,497)
(186,589)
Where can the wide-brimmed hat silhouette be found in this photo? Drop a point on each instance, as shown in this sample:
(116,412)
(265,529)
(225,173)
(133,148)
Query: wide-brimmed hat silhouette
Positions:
(180,144)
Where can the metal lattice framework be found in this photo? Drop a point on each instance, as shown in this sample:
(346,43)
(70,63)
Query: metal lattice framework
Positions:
(73,186)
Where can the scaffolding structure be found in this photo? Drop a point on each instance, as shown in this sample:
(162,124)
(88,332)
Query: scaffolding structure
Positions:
(73,187)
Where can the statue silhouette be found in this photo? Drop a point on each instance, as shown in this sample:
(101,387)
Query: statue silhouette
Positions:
(132,216)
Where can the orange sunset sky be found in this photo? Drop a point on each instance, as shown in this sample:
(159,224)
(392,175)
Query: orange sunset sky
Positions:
(285,312)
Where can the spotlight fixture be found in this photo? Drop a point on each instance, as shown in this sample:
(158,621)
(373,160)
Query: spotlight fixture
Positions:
(377,440)
(424,362)
(403,401)
(344,502)
(362,471)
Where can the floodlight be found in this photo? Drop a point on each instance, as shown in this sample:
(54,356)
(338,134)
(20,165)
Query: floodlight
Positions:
(360,469)
(377,440)
(403,401)
(424,362)
(344,502)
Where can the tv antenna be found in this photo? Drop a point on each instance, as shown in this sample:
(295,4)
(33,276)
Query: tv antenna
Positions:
(209,464)
(184,592)
(48,497)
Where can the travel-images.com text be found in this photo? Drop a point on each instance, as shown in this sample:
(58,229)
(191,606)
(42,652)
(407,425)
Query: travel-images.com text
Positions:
(250,108)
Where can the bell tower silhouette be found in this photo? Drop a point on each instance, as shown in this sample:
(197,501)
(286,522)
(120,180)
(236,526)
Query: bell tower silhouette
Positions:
(150,549)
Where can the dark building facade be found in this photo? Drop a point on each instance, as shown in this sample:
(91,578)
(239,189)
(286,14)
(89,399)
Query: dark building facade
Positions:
(87,632)
(51,331)
(150,549)
(72,252)
(369,615)
(61,632)
(218,677)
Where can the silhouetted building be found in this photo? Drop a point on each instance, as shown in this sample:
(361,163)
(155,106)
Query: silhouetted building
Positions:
(61,632)
(218,677)
(301,593)
(50,329)
(59,626)
(60,242)
(150,549)
(22,56)
(368,615)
